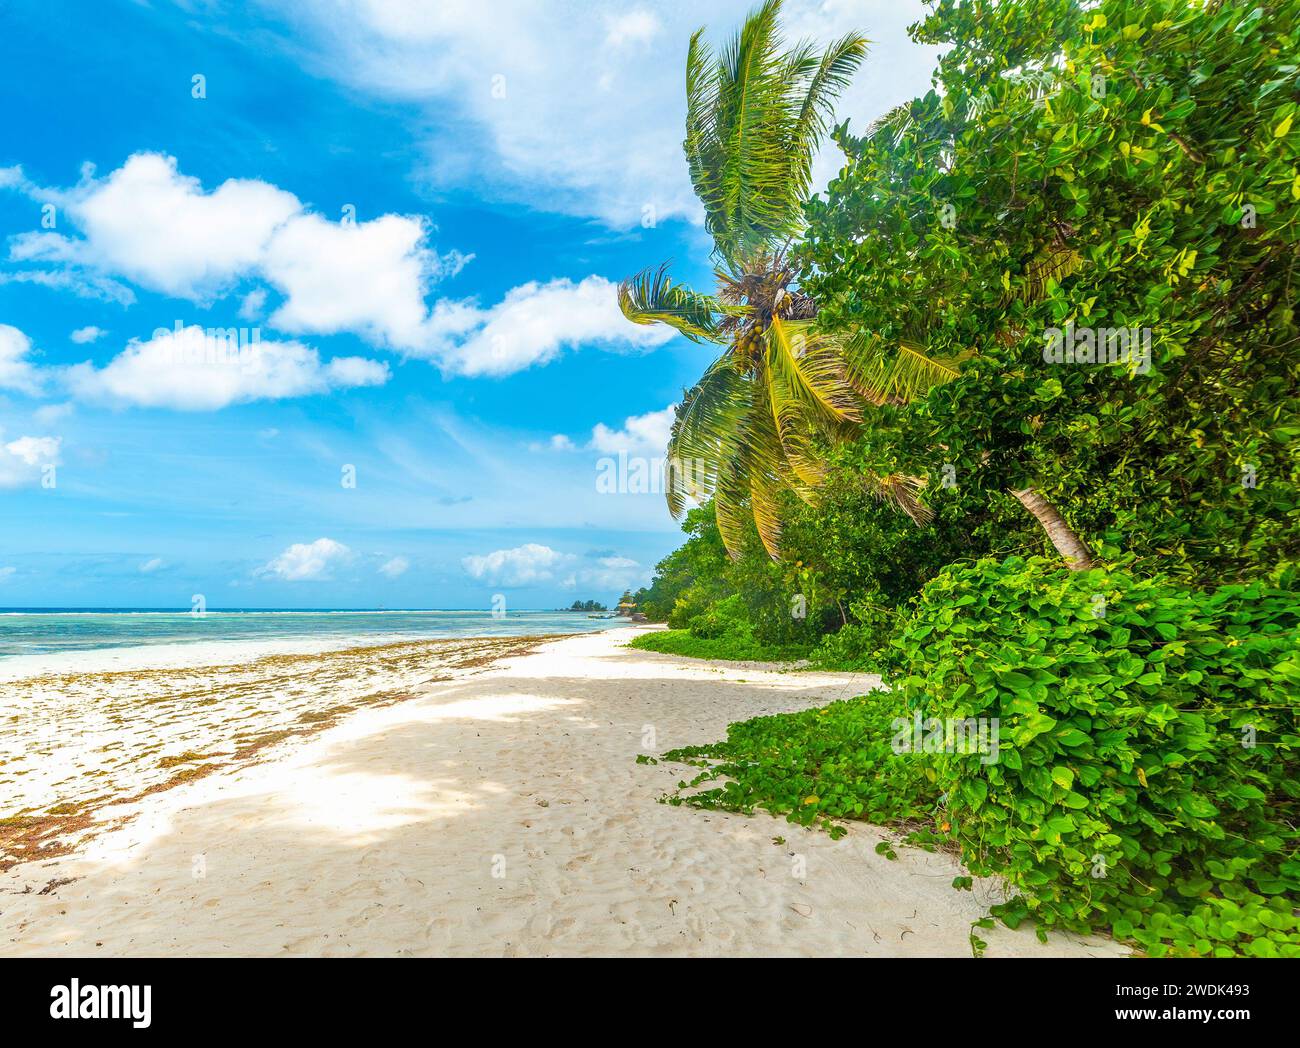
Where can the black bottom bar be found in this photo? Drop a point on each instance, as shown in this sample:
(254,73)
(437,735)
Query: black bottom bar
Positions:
(336,997)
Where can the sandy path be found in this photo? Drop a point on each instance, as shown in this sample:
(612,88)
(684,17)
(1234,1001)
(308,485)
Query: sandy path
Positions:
(501,814)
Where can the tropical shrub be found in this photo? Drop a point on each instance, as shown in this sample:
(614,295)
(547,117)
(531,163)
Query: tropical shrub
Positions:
(726,617)
(857,647)
(690,578)
(1147,771)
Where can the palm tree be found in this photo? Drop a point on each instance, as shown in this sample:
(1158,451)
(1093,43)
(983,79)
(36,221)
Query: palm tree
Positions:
(756,422)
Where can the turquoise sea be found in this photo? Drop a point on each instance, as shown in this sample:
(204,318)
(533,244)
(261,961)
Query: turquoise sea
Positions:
(36,631)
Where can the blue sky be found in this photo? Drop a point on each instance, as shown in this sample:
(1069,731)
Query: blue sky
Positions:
(422,209)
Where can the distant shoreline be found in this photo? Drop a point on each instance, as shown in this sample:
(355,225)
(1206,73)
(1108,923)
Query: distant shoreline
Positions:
(283,611)
(29,635)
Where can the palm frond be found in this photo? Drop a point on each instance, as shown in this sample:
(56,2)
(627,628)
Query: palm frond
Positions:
(815,371)
(1055,262)
(763,463)
(651,297)
(890,128)
(901,491)
(831,76)
(755,116)
(705,434)
(898,372)
(801,462)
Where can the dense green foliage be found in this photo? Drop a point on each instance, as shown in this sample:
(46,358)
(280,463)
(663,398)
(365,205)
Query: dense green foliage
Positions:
(1078,170)
(1149,757)
(1128,166)
(587,605)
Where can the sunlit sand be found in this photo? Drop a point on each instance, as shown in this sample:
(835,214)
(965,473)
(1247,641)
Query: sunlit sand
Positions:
(498,812)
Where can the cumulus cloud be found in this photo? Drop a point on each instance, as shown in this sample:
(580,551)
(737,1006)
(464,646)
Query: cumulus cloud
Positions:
(87,334)
(631,27)
(190,371)
(607,573)
(534,564)
(533,325)
(524,565)
(23,461)
(158,228)
(646,433)
(369,278)
(151,565)
(252,304)
(307,561)
(639,435)
(150,224)
(16,370)
(6,572)
(395,567)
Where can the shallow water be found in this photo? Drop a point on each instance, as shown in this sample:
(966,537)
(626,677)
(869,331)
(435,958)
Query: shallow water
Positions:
(25,631)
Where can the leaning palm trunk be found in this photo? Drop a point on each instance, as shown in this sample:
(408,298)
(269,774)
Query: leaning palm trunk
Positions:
(906,371)
(1078,557)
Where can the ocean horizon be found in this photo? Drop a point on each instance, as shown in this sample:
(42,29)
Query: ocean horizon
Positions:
(42,631)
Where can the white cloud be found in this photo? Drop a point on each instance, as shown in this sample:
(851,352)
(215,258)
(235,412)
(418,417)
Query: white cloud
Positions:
(79,281)
(87,334)
(189,372)
(646,433)
(532,325)
(16,371)
(640,434)
(349,372)
(5,573)
(151,224)
(22,461)
(307,561)
(587,112)
(534,564)
(633,27)
(395,567)
(369,278)
(151,565)
(522,566)
(159,229)
(251,305)
(607,573)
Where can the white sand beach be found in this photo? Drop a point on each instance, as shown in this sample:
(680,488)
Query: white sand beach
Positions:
(469,810)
